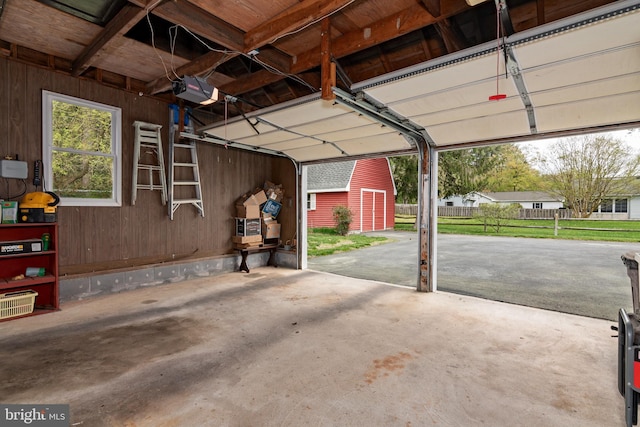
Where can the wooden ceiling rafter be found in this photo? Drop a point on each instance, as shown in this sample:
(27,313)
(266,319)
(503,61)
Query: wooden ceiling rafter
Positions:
(327,66)
(291,20)
(200,65)
(433,7)
(395,25)
(452,37)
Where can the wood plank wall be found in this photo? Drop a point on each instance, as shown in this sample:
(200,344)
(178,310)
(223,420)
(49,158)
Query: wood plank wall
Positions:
(95,239)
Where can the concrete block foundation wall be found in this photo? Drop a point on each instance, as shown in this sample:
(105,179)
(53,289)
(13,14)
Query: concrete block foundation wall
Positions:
(87,286)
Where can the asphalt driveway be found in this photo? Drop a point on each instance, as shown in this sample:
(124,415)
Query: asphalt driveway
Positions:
(578,277)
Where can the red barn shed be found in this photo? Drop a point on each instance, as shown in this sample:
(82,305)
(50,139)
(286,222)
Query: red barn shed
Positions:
(364,186)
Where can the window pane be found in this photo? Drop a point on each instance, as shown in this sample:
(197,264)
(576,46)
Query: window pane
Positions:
(83,176)
(82,128)
(621,205)
(606,206)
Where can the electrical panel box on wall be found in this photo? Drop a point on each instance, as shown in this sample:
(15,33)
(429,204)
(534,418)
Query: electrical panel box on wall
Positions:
(13,169)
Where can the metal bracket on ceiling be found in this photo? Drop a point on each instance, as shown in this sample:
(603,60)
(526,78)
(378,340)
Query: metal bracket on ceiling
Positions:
(513,68)
(505,17)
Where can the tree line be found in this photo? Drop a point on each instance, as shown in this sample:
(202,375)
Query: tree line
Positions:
(582,171)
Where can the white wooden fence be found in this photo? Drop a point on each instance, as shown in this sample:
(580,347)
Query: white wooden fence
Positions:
(468,212)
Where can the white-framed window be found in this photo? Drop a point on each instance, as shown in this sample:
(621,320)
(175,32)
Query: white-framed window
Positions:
(81,149)
(621,205)
(606,206)
(311,201)
(537,205)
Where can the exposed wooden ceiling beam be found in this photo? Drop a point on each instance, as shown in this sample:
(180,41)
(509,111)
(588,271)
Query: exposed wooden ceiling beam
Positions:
(126,18)
(451,35)
(294,18)
(432,6)
(200,65)
(410,19)
(202,23)
(251,82)
(327,68)
(214,29)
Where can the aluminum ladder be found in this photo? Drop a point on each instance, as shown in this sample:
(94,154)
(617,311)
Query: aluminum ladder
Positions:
(149,161)
(179,177)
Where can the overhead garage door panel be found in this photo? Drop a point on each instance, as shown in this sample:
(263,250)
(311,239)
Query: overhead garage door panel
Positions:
(303,113)
(291,144)
(460,98)
(314,152)
(481,129)
(592,90)
(581,114)
(482,109)
(436,80)
(584,41)
(571,75)
(579,75)
(388,142)
(602,67)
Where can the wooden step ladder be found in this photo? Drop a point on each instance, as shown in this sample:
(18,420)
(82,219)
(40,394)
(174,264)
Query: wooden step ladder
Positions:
(179,177)
(148,158)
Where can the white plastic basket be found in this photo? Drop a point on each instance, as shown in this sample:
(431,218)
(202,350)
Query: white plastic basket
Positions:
(18,303)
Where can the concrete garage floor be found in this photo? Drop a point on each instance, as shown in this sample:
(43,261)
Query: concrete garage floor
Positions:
(280,347)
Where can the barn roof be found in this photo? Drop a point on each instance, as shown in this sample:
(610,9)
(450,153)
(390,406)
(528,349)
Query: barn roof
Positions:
(330,176)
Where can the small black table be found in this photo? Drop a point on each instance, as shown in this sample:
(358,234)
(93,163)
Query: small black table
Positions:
(265,247)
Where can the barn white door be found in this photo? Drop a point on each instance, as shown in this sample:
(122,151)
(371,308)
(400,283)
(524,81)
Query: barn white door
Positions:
(373,210)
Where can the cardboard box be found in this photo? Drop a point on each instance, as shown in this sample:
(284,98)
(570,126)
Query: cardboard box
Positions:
(272,207)
(248,227)
(252,198)
(250,211)
(270,229)
(247,239)
(273,191)
(9,212)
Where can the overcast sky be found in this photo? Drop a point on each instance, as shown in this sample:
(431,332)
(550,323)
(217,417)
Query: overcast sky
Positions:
(630,136)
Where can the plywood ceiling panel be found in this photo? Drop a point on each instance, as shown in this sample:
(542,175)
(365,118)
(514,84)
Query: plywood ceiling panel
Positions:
(63,36)
(136,55)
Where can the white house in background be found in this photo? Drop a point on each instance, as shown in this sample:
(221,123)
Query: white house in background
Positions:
(620,206)
(625,205)
(526,199)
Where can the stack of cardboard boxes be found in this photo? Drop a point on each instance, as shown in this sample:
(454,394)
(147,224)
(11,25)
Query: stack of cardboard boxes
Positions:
(256,213)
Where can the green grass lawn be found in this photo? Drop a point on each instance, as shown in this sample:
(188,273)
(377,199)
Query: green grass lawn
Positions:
(572,229)
(325,241)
